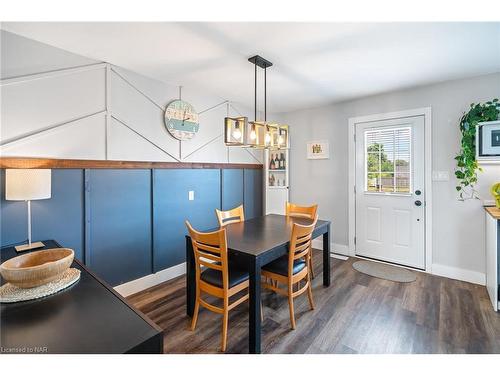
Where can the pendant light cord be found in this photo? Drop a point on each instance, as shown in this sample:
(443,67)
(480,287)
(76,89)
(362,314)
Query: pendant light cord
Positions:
(265,94)
(255,96)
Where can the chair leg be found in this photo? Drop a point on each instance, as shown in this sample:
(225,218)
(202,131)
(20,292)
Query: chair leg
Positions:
(195,314)
(290,305)
(309,293)
(225,317)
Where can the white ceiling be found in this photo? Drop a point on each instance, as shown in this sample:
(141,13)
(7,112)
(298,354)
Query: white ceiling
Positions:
(314,63)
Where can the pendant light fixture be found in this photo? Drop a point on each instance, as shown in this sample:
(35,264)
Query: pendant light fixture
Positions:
(238,131)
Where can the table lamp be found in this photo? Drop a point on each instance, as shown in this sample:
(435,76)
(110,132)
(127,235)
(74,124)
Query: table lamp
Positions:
(27,185)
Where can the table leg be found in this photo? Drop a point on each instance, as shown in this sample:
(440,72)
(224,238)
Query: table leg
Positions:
(326,257)
(190,278)
(255,319)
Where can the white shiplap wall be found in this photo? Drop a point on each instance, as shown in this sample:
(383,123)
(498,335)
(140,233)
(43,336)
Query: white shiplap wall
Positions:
(60,105)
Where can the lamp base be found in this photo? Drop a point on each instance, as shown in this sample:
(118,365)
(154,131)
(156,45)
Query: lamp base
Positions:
(34,245)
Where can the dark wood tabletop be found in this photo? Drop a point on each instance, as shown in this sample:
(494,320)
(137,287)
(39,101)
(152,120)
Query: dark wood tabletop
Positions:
(259,235)
(87,317)
(254,243)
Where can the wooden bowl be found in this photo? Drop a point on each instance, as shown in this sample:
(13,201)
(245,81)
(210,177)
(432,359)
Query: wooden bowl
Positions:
(36,268)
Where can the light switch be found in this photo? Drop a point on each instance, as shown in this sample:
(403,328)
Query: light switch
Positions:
(440,176)
(191,195)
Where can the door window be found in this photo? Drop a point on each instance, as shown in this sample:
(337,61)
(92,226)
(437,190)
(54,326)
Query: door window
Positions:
(388,160)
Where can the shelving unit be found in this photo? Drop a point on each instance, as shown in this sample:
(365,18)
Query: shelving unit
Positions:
(276,181)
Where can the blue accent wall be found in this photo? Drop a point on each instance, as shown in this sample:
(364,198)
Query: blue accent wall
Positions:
(119,225)
(232,188)
(252,193)
(128,223)
(61,216)
(172,207)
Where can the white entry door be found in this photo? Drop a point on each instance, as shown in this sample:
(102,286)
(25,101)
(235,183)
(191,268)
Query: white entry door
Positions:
(390,196)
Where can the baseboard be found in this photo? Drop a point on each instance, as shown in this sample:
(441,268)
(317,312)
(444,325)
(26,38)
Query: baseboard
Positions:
(338,256)
(459,274)
(148,281)
(334,247)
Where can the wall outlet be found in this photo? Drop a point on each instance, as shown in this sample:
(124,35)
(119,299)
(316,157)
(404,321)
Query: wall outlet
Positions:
(191,195)
(440,176)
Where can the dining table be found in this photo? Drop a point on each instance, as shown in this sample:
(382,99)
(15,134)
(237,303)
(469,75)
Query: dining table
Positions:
(252,244)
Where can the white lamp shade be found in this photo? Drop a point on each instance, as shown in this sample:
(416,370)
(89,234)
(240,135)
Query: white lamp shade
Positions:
(27,184)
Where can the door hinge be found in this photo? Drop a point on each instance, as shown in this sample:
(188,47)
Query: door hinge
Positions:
(354,137)
(354,240)
(354,188)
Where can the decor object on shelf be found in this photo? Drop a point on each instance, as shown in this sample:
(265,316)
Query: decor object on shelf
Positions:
(181,120)
(495,191)
(27,185)
(257,134)
(318,150)
(467,165)
(277,161)
(10,293)
(277,171)
(36,268)
(488,141)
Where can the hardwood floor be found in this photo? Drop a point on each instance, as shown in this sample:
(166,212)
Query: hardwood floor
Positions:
(357,314)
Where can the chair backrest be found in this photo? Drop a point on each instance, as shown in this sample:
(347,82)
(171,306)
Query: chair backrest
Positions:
(234,215)
(210,250)
(301,211)
(300,242)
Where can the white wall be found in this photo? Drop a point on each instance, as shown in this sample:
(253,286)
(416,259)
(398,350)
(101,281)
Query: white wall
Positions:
(60,105)
(458,227)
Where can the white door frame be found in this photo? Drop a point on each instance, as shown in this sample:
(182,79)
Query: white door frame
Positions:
(426,112)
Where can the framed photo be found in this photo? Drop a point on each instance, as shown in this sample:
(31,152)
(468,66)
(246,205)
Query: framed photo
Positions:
(318,150)
(488,141)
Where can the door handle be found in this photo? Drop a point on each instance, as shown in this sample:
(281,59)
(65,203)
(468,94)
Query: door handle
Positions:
(418,203)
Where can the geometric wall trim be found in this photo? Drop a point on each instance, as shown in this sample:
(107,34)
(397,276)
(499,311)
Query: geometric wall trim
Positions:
(82,108)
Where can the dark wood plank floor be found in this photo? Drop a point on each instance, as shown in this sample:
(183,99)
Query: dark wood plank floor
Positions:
(357,314)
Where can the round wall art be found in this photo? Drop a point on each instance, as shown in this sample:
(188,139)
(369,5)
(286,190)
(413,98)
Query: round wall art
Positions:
(181,120)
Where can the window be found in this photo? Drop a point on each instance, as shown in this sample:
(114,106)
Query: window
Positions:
(388,160)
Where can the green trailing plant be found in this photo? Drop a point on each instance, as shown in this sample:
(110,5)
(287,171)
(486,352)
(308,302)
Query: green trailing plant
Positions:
(467,165)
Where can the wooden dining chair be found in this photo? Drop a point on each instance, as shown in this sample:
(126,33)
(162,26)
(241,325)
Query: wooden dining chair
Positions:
(293,268)
(308,212)
(215,276)
(234,215)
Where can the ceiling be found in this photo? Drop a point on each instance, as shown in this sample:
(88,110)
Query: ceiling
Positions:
(314,63)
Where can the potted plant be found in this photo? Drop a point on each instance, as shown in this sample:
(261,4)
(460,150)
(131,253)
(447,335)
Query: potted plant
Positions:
(467,165)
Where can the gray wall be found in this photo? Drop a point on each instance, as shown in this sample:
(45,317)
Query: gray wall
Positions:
(458,238)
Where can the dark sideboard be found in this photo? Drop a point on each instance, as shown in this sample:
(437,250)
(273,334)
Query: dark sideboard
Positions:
(87,317)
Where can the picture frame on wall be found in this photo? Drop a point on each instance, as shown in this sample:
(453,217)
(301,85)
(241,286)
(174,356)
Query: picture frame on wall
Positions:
(488,141)
(318,150)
